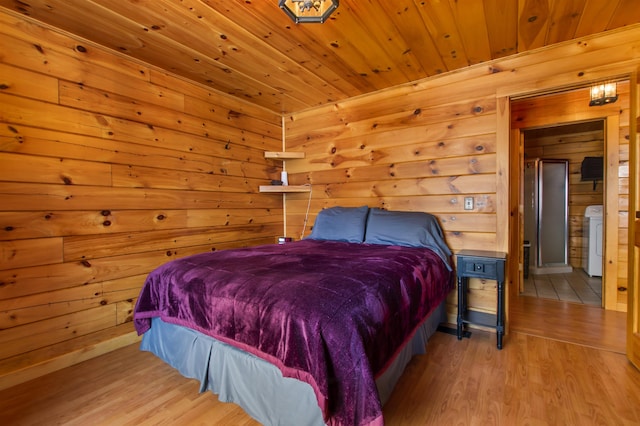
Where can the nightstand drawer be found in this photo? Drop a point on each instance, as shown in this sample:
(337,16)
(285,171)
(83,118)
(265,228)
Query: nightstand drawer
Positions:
(478,268)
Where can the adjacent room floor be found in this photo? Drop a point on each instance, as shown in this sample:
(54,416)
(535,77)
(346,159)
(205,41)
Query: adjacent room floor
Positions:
(576,286)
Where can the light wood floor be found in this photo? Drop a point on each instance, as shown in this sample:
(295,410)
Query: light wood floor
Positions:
(533,380)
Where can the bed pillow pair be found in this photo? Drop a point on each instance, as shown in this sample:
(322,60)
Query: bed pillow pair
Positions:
(377,226)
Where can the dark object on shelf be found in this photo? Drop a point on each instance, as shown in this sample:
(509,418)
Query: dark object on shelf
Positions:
(276,182)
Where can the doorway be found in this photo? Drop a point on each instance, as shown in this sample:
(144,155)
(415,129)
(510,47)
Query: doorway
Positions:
(561,319)
(563,182)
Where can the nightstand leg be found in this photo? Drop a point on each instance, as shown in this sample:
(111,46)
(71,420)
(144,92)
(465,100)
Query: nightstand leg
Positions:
(460,305)
(500,313)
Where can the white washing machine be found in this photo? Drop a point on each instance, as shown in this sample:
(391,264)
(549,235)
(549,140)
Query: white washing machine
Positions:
(592,246)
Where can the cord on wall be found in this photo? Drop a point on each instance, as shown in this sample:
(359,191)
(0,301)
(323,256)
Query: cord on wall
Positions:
(306,216)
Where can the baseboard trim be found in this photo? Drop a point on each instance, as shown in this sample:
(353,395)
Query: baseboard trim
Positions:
(453,331)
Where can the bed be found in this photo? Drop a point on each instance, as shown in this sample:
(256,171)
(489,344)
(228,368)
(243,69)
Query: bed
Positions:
(315,331)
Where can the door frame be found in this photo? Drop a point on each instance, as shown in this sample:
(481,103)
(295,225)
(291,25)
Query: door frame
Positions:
(610,197)
(633,273)
(508,166)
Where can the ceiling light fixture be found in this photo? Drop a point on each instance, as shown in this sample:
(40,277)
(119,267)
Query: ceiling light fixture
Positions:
(603,93)
(303,11)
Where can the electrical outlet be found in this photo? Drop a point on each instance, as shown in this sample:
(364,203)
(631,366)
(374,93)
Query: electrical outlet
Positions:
(468,203)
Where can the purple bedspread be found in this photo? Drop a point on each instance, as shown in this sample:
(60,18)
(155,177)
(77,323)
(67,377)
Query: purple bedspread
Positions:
(329,313)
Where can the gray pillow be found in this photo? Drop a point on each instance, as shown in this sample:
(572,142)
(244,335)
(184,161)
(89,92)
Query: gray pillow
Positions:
(410,229)
(340,224)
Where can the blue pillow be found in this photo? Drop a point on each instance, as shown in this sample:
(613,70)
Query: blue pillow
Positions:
(410,229)
(340,224)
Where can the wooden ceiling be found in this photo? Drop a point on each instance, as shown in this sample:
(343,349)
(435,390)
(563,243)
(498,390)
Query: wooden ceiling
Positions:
(251,49)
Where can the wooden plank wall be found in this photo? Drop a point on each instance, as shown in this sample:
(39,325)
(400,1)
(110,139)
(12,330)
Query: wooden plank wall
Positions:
(427,145)
(412,153)
(109,168)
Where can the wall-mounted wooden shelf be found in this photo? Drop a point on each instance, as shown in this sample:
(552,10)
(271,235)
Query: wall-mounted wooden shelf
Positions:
(283,155)
(285,188)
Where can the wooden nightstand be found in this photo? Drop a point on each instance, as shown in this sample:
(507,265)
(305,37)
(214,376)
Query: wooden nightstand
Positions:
(489,265)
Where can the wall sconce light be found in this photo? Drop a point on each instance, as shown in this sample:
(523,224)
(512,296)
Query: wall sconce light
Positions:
(603,93)
(303,11)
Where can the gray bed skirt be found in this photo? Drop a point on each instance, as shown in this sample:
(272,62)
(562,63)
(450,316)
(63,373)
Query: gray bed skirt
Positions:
(255,384)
